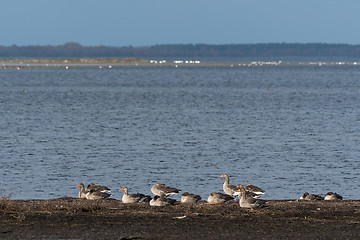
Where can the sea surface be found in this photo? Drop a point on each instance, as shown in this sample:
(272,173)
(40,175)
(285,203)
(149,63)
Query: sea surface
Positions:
(287,129)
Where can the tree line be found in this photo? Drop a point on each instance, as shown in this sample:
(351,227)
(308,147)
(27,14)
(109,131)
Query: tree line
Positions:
(76,50)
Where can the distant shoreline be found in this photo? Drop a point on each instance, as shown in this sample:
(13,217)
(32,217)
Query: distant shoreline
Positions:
(76,50)
(20,63)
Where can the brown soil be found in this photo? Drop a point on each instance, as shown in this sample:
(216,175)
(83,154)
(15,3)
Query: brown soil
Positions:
(70,218)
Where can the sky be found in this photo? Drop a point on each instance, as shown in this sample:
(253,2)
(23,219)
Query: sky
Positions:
(146,23)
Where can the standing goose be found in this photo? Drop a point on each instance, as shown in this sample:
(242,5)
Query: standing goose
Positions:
(134,197)
(158,201)
(228,188)
(97,188)
(190,198)
(216,198)
(162,190)
(311,197)
(82,193)
(333,196)
(247,201)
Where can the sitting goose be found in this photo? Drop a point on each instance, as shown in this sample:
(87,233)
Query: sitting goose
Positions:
(248,193)
(216,198)
(311,197)
(247,201)
(190,198)
(158,201)
(97,188)
(92,194)
(162,190)
(82,193)
(333,196)
(254,189)
(134,197)
(228,188)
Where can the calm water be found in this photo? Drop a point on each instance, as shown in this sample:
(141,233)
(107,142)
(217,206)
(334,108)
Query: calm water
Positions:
(285,129)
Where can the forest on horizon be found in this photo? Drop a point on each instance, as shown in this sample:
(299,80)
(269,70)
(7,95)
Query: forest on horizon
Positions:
(76,50)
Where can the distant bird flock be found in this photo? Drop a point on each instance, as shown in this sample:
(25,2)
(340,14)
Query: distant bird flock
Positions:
(248,195)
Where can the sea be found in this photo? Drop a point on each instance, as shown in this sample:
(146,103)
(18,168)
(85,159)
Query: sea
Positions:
(287,128)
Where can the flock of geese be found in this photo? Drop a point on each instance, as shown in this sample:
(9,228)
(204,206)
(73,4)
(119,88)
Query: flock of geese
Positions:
(248,195)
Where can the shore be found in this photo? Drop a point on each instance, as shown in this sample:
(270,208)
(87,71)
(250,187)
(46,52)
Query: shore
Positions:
(71,218)
(104,63)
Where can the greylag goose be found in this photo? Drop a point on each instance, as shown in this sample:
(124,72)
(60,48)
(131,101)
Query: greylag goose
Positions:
(162,190)
(158,201)
(247,201)
(94,195)
(311,197)
(216,198)
(190,198)
(82,193)
(97,188)
(134,197)
(228,188)
(333,196)
(248,193)
(91,194)
(254,189)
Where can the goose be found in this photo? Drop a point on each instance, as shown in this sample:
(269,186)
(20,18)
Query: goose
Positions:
(311,197)
(82,193)
(247,201)
(216,198)
(254,189)
(333,196)
(134,197)
(94,195)
(158,201)
(189,198)
(162,190)
(91,194)
(97,188)
(248,193)
(228,188)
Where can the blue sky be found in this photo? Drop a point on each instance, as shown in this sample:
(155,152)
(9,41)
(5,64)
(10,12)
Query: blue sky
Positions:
(144,23)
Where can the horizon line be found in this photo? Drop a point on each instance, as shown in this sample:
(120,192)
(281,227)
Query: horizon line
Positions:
(194,44)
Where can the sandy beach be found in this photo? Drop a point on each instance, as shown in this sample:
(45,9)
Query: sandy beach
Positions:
(71,218)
